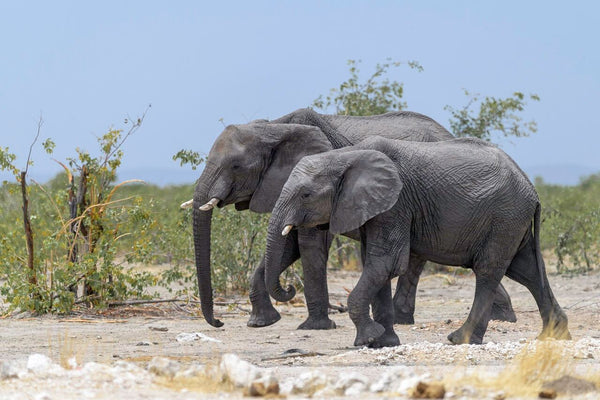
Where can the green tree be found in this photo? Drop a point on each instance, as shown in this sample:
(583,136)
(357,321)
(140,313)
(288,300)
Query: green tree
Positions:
(499,115)
(377,95)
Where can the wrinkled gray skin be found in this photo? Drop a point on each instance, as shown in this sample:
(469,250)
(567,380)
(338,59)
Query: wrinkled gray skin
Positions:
(457,202)
(248,165)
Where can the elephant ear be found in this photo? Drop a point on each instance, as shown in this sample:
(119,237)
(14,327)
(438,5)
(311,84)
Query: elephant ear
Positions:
(369,186)
(288,144)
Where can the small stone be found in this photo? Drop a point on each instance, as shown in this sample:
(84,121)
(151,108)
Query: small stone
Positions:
(239,372)
(185,337)
(162,366)
(158,328)
(38,363)
(499,396)
(425,390)
(260,388)
(8,370)
(143,344)
(72,362)
(547,394)
(308,382)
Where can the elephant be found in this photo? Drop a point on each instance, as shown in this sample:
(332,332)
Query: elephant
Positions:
(248,165)
(457,202)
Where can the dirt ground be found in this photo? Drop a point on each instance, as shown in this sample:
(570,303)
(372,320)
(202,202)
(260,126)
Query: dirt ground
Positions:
(106,355)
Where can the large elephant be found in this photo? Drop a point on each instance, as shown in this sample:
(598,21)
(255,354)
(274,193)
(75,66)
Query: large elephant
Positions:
(248,165)
(457,202)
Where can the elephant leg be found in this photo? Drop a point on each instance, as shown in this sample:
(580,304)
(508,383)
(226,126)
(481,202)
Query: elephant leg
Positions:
(524,269)
(383,313)
(474,328)
(374,288)
(263,313)
(406,290)
(489,267)
(502,309)
(314,251)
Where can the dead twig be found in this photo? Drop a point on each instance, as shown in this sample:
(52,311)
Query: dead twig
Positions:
(94,321)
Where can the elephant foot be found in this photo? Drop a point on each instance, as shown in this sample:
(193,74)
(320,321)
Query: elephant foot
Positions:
(502,312)
(368,333)
(403,318)
(388,339)
(263,316)
(313,323)
(558,330)
(460,336)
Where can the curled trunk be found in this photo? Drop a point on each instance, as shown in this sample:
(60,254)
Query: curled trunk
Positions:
(277,245)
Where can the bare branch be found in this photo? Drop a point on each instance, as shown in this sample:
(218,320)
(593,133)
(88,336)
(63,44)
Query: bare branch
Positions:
(39,129)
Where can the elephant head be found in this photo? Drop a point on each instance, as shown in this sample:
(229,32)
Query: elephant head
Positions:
(247,166)
(339,190)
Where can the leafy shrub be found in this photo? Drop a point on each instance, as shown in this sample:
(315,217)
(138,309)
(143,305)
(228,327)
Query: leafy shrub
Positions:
(571,223)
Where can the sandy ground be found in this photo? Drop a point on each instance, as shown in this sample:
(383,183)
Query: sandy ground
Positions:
(125,340)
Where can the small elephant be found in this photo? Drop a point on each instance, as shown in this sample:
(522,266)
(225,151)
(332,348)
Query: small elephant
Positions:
(248,165)
(458,202)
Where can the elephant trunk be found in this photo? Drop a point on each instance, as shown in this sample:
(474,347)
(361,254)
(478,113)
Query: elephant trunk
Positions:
(202,235)
(274,255)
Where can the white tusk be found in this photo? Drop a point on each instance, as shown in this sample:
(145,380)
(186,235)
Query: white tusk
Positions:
(187,204)
(210,205)
(286,230)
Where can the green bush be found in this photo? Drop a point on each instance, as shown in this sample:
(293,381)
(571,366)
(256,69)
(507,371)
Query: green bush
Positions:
(571,223)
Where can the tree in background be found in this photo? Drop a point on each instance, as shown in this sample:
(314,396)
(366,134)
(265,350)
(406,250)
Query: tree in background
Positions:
(376,95)
(494,115)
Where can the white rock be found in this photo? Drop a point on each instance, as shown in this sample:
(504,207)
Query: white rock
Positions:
(186,337)
(194,371)
(239,372)
(40,364)
(72,362)
(8,370)
(350,384)
(391,378)
(163,366)
(308,382)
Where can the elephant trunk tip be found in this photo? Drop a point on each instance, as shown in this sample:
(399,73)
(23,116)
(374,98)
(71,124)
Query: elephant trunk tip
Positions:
(283,295)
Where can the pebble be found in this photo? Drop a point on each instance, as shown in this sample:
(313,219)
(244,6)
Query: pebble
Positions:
(162,366)
(186,337)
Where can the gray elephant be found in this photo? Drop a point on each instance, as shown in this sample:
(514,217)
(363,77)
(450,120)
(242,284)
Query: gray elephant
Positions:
(248,165)
(457,202)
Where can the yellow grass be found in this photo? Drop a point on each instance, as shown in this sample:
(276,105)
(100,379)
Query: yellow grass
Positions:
(537,363)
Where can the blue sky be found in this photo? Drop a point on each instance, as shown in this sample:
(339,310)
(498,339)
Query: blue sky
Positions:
(85,66)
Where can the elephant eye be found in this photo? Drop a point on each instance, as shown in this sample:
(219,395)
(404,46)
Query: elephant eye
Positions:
(236,166)
(305,195)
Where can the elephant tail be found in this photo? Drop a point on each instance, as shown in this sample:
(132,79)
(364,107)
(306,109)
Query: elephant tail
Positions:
(536,238)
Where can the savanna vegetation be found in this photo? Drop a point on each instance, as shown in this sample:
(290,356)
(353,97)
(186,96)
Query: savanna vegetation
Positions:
(86,238)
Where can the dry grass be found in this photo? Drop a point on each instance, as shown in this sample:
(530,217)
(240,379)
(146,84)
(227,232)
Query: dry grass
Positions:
(537,363)
(68,349)
(206,380)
